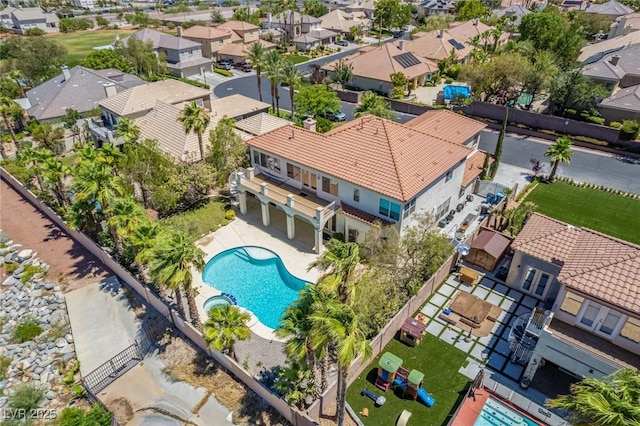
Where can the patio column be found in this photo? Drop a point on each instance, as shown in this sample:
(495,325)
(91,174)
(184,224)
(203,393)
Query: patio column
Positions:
(242,198)
(266,221)
(291,227)
(318,235)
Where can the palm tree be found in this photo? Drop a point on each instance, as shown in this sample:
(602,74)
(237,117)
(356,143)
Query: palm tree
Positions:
(338,264)
(291,77)
(614,401)
(95,182)
(256,58)
(195,118)
(9,109)
(338,325)
(559,152)
(142,239)
(55,172)
(371,103)
(128,129)
(170,262)
(17,76)
(273,72)
(125,216)
(226,325)
(33,160)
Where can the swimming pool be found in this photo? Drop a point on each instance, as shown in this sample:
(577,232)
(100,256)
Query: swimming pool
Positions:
(495,413)
(258,280)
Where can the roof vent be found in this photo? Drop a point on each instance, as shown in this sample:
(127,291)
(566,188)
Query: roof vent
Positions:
(293,133)
(614,60)
(570,227)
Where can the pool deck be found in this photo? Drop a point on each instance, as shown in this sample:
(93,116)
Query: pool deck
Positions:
(247,230)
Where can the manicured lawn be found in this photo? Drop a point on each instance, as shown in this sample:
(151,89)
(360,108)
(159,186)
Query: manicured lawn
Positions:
(296,59)
(200,220)
(438,361)
(590,208)
(80,44)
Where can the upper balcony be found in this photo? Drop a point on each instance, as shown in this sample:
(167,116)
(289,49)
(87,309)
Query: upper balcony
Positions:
(103,133)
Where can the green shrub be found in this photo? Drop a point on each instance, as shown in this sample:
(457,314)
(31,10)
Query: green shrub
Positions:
(338,236)
(448,80)
(629,130)
(34,32)
(10,267)
(615,124)
(429,84)
(323,125)
(27,330)
(5,362)
(571,112)
(220,71)
(29,272)
(595,120)
(95,416)
(230,215)
(26,398)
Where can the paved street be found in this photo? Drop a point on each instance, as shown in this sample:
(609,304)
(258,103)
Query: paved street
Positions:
(586,165)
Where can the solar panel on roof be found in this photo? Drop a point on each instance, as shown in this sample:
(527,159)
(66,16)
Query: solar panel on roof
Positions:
(456,44)
(407,60)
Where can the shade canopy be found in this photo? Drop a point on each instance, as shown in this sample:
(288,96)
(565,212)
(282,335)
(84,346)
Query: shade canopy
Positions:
(389,362)
(415,377)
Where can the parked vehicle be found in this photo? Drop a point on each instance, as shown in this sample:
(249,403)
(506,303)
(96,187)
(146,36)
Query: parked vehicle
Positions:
(398,34)
(225,65)
(335,116)
(343,43)
(247,67)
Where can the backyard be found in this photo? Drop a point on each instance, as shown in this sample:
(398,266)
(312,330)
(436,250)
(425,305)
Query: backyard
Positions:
(201,219)
(438,360)
(296,59)
(80,44)
(601,211)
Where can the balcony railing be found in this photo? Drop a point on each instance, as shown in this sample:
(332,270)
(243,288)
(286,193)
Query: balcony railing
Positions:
(104,134)
(525,332)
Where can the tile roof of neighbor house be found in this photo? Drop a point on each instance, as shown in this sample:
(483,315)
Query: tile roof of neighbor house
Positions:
(592,263)
(516,11)
(32,14)
(298,18)
(238,26)
(437,45)
(627,99)
(322,33)
(83,91)
(447,125)
(261,123)
(474,167)
(380,62)
(362,216)
(305,38)
(206,33)
(610,8)
(144,97)
(241,49)
(378,154)
(236,106)
(628,64)
(162,40)
(465,31)
(492,242)
(595,51)
(361,5)
(339,20)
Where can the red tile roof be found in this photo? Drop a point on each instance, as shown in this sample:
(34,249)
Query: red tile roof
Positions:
(447,125)
(362,216)
(473,167)
(374,153)
(593,263)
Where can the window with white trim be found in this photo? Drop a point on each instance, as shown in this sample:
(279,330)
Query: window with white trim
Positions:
(535,282)
(389,209)
(409,207)
(572,304)
(294,172)
(443,208)
(448,176)
(269,162)
(356,195)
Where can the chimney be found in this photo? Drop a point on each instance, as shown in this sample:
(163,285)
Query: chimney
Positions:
(441,35)
(109,89)
(309,124)
(614,60)
(401,45)
(66,75)
(179,31)
(475,22)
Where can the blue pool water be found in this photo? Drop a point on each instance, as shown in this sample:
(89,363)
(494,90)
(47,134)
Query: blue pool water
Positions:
(496,414)
(258,280)
(451,91)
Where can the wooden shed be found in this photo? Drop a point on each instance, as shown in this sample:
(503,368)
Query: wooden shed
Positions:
(487,249)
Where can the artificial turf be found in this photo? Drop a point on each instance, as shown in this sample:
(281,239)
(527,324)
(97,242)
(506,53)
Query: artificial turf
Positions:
(601,211)
(438,360)
(79,44)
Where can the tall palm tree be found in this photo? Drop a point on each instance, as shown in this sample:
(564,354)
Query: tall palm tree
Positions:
(55,172)
(614,401)
(195,119)
(128,129)
(338,263)
(273,72)
(33,160)
(338,324)
(95,182)
(226,325)
(256,58)
(125,216)
(559,152)
(170,262)
(142,239)
(9,109)
(291,77)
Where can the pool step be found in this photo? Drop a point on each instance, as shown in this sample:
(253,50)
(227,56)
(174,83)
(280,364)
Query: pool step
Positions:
(504,416)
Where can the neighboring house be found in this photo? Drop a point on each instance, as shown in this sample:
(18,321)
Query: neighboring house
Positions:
(79,88)
(589,284)
(366,7)
(247,32)
(238,107)
(342,22)
(624,25)
(619,72)
(272,34)
(305,42)
(315,38)
(183,57)
(260,124)
(594,52)
(212,39)
(366,171)
(437,45)
(436,7)
(468,31)
(238,52)
(21,19)
(140,100)
(611,9)
(514,14)
(85,4)
(373,66)
(293,23)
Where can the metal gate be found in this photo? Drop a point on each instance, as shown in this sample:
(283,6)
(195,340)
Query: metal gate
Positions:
(108,372)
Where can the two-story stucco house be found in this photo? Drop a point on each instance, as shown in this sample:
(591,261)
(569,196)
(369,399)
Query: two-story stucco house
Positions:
(212,38)
(22,19)
(183,57)
(246,31)
(345,180)
(590,283)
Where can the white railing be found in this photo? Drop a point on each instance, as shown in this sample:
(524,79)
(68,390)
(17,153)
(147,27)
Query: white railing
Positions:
(538,321)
